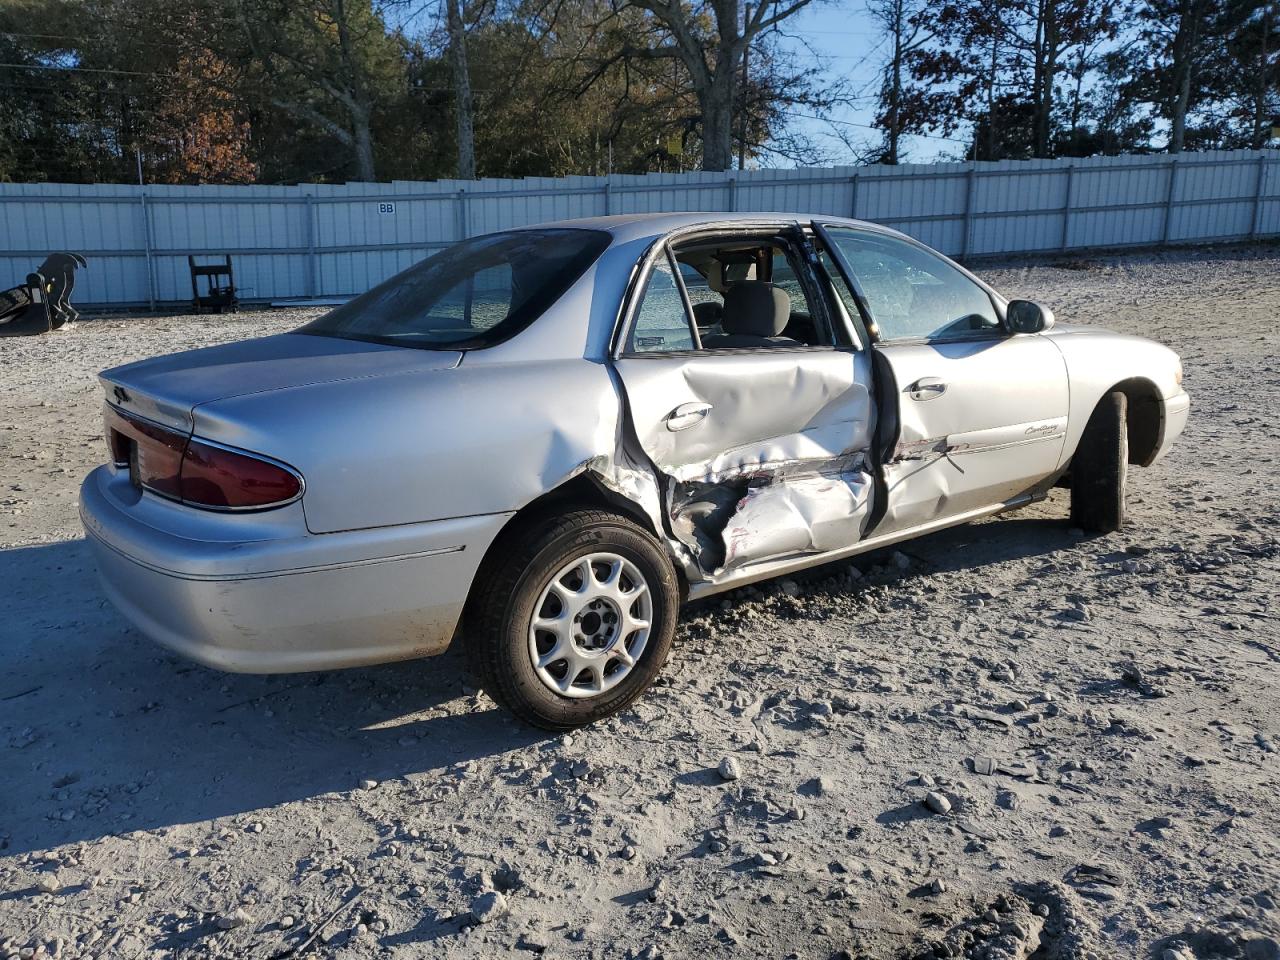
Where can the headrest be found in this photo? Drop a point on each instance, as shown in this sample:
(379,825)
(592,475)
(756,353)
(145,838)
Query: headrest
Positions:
(707,313)
(715,277)
(756,308)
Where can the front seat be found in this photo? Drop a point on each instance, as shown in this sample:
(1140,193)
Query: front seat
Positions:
(755,314)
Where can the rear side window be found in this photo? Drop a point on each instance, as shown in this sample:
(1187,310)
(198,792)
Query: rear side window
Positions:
(661,323)
(474,294)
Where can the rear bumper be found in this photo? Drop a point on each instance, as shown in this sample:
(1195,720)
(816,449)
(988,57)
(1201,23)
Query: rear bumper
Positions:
(288,603)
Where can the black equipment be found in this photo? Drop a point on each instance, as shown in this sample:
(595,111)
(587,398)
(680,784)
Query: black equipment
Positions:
(219,283)
(46,294)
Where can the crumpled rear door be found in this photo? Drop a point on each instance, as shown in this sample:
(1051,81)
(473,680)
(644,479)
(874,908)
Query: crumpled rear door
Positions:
(761,452)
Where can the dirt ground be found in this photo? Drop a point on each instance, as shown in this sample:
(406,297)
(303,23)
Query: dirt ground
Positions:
(1101,714)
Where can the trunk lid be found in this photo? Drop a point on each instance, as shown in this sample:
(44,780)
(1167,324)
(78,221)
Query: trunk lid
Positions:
(166,389)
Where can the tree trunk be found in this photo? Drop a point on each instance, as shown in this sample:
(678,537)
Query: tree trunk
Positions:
(462,91)
(1178,121)
(1184,44)
(355,99)
(362,143)
(1077,95)
(1261,121)
(1037,78)
(1045,120)
(895,86)
(746,87)
(991,97)
(716,102)
(1046,56)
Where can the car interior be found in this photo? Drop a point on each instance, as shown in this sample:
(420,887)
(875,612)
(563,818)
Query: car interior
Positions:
(745,294)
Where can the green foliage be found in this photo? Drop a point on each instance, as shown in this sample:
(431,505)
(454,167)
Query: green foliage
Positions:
(1075,77)
(231,91)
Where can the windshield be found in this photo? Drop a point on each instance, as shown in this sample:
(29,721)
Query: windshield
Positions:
(474,294)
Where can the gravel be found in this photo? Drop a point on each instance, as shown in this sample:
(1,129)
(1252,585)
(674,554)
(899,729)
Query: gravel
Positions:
(1111,772)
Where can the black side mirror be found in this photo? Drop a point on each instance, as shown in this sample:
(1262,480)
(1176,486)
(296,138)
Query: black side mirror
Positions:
(1027,316)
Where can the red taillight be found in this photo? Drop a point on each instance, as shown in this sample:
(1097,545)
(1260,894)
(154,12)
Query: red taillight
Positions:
(194,471)
(152,453)
(218,477)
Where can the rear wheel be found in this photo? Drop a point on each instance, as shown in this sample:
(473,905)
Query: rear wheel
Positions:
(1100,468)
(573,618)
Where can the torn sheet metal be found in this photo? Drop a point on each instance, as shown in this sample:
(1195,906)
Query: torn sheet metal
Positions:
(630,480)
(815,446)
(774,514)
(800,515)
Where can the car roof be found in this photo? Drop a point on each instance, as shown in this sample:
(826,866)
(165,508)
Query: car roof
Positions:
(633,226)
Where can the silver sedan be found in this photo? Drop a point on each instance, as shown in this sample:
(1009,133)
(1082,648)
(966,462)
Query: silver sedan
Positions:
(539,443)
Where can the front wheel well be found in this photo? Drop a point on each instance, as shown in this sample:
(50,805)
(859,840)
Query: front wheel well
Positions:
(1145,417)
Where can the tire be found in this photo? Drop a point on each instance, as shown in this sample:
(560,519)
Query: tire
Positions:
(1100,467)
(538,569)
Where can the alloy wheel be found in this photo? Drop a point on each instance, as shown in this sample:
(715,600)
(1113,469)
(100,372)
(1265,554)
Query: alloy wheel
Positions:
(590,625)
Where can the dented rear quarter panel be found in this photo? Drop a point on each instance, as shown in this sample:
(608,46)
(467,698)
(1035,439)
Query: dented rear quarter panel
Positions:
(478,439)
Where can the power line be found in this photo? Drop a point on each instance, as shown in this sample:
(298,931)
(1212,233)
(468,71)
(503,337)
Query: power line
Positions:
(130,41)
(789,31)
(123,73)
(867,126)
(175,76)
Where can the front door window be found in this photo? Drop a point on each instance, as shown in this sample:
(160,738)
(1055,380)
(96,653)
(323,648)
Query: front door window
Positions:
(912,293)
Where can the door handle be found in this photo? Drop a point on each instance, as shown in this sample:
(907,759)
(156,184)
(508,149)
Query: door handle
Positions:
(926,388)
(687,414)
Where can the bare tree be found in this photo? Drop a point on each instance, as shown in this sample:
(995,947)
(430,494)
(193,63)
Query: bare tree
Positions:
(1045,34)
(709,38)
(1177,38)
(906,29)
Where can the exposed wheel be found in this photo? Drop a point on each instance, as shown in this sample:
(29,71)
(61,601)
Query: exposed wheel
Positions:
(573,618)
(1100,467)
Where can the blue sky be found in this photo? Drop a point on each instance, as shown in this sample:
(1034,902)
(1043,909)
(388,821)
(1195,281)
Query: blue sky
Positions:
(846,38)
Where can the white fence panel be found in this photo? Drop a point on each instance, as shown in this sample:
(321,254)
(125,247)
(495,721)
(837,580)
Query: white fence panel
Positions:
(340,239)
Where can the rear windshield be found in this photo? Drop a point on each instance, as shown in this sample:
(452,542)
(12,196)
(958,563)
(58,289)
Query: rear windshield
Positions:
(474,294)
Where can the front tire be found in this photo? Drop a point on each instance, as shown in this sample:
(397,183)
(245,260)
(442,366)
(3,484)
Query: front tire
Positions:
(1100,468)
(573,618)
